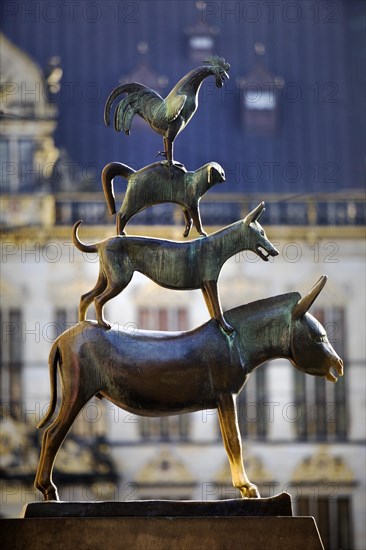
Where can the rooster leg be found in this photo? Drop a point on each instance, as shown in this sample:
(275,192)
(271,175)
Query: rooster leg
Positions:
(168,148)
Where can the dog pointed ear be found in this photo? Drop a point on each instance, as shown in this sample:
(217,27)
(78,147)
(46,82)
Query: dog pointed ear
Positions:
(304,304)
(255,214)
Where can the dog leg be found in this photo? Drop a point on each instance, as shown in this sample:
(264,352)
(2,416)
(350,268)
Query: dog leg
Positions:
(213,297)
(87,298)
(208,301)
(109,293)
(118,275)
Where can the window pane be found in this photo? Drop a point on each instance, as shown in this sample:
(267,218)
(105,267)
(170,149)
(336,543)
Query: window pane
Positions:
(25,164)
(303,506)
(163,319)
(15,355)
(182,319)
(6,168)
(323,520)
(201,42)
(252,411)
(344,523)
(258,99)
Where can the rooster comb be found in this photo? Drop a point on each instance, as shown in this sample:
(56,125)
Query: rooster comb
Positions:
(217,61)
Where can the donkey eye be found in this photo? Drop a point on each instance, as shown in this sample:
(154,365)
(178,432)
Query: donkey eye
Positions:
(262,233)
(320,339)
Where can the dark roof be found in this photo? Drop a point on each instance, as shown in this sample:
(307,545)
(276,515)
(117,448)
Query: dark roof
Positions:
(320,144)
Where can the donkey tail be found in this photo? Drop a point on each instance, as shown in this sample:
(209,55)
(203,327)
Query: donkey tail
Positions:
(109,172)
(52,365)
(78,243)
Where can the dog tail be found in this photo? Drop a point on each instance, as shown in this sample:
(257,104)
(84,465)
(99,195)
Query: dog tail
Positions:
(109,172)
(79,244)
(52,365)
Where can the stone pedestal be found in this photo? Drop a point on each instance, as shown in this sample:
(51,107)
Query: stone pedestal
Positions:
(161,525)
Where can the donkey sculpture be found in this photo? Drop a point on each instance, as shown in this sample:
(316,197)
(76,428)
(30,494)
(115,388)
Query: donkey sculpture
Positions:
(165,373)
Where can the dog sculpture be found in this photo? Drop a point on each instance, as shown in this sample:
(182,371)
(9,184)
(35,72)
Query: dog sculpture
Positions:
(155,184)
(164,373)
(171,264)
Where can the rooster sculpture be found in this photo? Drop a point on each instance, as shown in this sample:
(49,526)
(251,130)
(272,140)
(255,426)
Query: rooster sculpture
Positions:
(169,116)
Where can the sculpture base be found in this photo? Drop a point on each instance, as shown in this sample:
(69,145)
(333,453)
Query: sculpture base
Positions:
(162,525)
(161,533)
(279,505)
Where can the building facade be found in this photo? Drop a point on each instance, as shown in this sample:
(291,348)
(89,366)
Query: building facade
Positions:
(300,434)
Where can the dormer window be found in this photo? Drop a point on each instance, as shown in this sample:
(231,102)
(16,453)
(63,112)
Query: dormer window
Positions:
(145,74)
(201,41)
(260,99)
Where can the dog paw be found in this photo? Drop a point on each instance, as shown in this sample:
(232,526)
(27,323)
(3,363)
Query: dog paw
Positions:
(228,329)
(104,324)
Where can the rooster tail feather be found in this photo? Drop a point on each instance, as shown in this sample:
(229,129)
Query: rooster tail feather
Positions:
(123,89)
(128,115)
(124,114)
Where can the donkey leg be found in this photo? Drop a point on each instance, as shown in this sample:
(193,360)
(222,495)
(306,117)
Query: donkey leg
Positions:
(51,443)
(213,297)
(87,298)
(232,440)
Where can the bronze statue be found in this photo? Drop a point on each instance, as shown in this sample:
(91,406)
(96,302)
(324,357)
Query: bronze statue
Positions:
(172,264)
(169,116)
(153,184)
(165,373)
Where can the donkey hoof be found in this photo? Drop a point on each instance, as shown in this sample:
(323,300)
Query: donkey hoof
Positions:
(52,494)
(251,491)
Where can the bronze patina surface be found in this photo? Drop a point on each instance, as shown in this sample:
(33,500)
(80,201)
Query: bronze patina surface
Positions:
(155,184)
(279,505)
(172,264)
(169,116)
(163,373)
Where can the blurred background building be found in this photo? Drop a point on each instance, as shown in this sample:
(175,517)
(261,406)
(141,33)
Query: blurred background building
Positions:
(288,128)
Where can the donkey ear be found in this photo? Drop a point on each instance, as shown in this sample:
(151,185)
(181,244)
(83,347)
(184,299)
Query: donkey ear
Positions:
(255,214)
(306,302)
